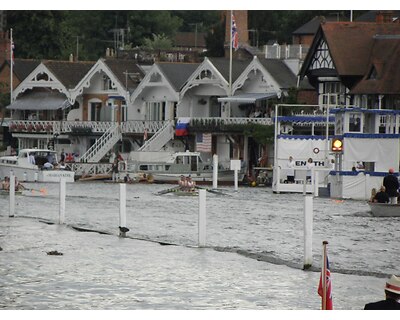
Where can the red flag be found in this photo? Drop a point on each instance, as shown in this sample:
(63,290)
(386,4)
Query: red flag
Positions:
(328,298)
(235,35)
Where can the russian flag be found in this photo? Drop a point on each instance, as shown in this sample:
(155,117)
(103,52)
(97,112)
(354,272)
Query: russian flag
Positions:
(181,128)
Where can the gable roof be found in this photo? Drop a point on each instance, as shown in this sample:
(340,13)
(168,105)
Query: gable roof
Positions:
(22,67)
(177,73)
(222,65)
(349,44)
(119,67)
(385,60)
(310,27)
(69,73)
(280,72)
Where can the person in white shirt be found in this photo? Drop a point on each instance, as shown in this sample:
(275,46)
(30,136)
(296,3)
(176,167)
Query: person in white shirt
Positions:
(31,158)
(309,166)
(290,170)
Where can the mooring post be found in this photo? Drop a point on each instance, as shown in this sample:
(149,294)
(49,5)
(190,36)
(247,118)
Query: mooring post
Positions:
(12,194)
(61,218)
(308,230)
(202,218)
(122,210)
(316,183)
(215,171)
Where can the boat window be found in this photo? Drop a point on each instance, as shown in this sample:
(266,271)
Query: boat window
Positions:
(193,163)
(143,167)
(167,167)
(369,166)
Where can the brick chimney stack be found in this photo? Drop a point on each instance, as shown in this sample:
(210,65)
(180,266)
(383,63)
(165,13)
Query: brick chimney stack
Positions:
(241,25)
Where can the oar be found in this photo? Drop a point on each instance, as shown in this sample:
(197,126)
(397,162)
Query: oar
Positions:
(213,191)
(168,190)
(42,191)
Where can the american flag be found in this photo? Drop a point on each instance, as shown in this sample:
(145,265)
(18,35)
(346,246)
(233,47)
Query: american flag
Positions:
(235,35)
(203,142)
(329,302)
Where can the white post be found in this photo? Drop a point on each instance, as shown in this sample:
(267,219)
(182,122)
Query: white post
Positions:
(62,200)
(308,230)
(305,186)
(12,194)
(236,180)
(202,218)
(316,183)
(122,210)
(215,171)
(36,178)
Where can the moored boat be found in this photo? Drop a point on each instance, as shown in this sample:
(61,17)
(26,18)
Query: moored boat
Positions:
(177,164)
(29,166)
(384,209)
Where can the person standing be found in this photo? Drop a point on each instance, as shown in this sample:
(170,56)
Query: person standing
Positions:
(391,184)
(392,293)
(290,170)
(309,166)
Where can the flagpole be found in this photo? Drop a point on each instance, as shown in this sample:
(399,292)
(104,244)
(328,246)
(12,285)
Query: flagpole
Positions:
(11,66)
(230,60)
(324,244)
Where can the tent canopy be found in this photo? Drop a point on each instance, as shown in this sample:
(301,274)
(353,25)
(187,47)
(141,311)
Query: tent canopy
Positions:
(248,97)
(40,101)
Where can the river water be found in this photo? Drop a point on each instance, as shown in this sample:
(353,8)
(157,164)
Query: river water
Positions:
(253,257)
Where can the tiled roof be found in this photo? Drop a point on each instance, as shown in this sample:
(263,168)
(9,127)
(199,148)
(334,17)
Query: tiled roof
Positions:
(119,67)
(222,65)
(280,72)
(69,73)
(23,67)
(310,27)
(350,43)
(385,61)
(188,39)
(177,73)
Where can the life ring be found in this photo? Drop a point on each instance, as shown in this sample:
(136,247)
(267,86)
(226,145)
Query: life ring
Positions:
(316,150)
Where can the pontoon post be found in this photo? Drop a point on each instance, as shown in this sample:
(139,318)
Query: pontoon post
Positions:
(215,171)
(308,231)
(122,210)
(62,201)
(12,194)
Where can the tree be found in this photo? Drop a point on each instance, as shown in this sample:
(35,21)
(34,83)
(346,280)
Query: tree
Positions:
(158,43)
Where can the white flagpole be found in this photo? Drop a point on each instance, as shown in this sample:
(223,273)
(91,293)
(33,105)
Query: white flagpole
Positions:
(11,66)
(230,61)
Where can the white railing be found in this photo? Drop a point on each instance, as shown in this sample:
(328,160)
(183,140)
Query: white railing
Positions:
(207,121)
(160,138)
(39,126)
(138,126)
(89,168)
(289,51)
(102,145)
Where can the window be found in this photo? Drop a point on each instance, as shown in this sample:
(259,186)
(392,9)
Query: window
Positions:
(355,122)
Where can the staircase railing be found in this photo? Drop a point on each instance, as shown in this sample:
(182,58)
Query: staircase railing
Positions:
(102,145)
(160,138)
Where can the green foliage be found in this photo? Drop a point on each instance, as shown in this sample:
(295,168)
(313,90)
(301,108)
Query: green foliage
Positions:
(159,42)
(262,134)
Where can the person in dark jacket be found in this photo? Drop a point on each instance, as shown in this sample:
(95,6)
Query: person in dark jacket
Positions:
(381,196)
(392,301)
(391,184)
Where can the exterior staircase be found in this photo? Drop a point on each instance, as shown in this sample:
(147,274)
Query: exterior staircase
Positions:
(102,145)
(160,138)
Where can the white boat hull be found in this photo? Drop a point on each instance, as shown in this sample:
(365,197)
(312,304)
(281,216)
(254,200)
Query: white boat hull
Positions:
(199,177)
(384,209)
(35,174)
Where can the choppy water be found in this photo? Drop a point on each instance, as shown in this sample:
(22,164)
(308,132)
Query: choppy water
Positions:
(103,271)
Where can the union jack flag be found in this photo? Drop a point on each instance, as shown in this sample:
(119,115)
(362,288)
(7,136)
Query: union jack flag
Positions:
(328,299)
(235,35)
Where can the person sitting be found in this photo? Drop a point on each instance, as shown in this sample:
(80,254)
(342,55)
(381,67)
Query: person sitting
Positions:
(5,185)
(190,183)
(373,194)
(182,181)
(48,166)
(392,296)
(381,196)
(18,185)
(127,178)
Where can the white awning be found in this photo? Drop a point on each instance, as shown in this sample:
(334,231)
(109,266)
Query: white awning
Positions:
(248,97)
(40,101)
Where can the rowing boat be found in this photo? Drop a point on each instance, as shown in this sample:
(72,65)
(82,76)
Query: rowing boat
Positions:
(384,209)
